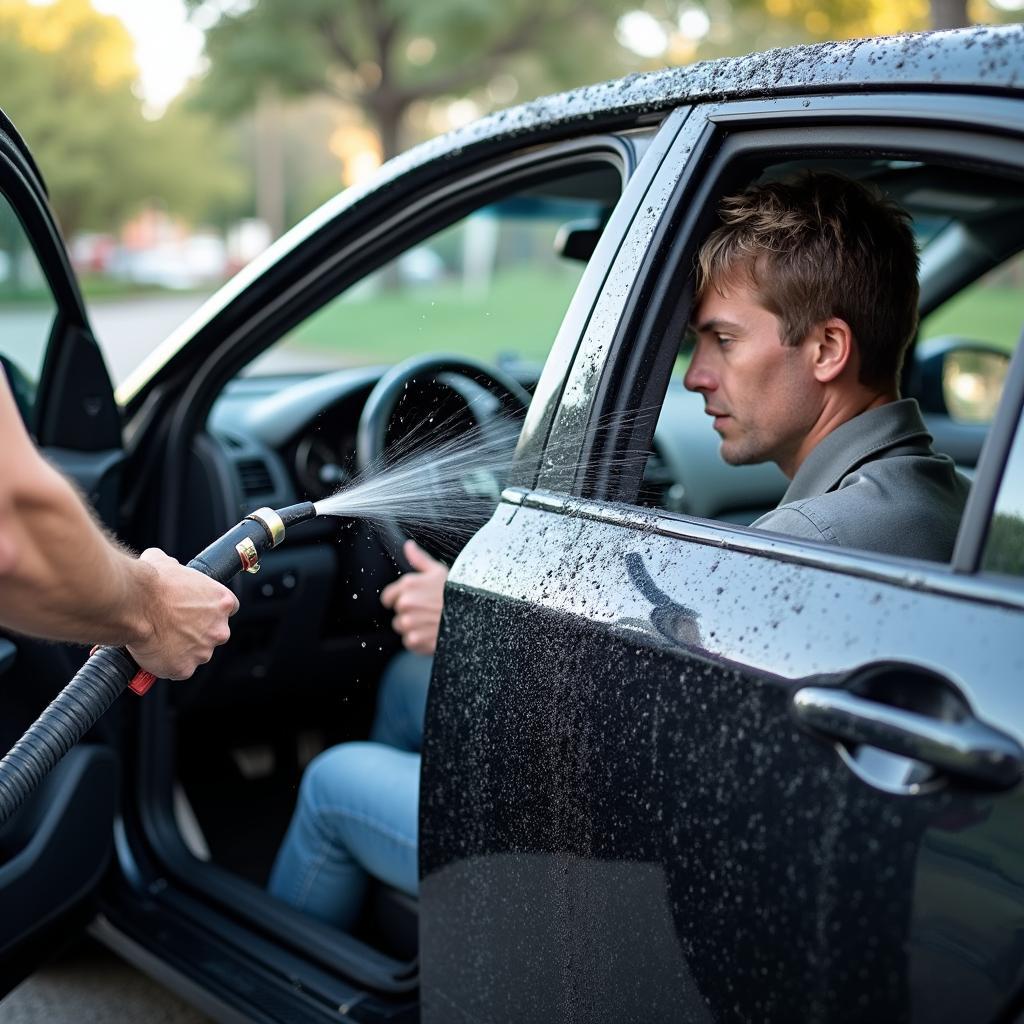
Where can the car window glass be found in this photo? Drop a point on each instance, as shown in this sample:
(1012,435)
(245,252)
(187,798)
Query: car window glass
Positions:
(989,310)
(976,331)
(493,285)
(1004,546)
(27,311)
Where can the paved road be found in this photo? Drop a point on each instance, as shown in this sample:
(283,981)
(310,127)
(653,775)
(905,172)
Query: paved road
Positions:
(129,329)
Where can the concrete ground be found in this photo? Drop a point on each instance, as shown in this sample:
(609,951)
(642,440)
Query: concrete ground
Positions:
(89,985)
(127,330)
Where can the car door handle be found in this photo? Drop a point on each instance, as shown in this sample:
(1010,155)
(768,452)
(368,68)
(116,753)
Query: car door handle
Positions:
(968,748)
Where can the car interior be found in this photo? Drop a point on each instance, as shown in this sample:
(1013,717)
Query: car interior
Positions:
(311,640)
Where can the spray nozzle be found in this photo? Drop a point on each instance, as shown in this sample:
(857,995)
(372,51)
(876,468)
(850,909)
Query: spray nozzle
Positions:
(277,521)
(240,549)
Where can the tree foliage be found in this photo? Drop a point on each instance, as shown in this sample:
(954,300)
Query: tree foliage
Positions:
(745,25)
(385,56)
(68,80)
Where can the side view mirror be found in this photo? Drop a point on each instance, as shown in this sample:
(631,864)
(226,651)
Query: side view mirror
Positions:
(578,239)
(960,378)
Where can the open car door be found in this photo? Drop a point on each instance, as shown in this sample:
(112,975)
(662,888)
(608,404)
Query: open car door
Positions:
(55,848)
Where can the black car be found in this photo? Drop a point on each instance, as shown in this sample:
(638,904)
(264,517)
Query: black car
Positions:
(674,768)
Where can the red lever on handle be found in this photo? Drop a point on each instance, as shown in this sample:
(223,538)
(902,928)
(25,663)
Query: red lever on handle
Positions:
(142,682)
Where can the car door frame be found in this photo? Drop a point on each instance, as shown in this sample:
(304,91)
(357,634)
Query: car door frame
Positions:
(157,877)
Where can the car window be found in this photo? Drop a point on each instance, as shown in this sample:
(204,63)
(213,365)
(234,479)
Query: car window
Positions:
(955,372)
(27,311)
(975,331)
(1004,546)
(989,310)
(494,285)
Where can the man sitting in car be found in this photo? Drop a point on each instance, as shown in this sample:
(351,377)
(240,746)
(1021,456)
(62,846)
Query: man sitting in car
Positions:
(806,303)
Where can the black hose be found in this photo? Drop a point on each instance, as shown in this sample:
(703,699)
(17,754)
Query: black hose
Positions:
(71,714)
(101,680)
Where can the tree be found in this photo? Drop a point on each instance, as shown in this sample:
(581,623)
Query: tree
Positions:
(764,23)
(68,82)
(386,56)
(949,13)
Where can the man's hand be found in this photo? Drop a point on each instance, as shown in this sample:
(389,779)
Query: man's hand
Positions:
(63,578)
(416,599)
(187,619)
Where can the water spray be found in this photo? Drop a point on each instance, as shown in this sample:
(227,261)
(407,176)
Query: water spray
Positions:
(437,490)
(411,484)
(111,670)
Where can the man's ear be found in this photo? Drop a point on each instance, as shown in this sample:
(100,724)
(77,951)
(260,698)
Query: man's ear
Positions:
(833,349)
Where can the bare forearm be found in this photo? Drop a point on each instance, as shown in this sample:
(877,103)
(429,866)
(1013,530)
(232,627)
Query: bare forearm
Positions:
(60,576)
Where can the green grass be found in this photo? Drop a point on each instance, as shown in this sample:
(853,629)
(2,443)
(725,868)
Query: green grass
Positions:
(520,314)
(1004,549)
(97,287)
(994,314)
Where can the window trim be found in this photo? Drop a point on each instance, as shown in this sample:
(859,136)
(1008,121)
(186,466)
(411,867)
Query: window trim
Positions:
(21,189)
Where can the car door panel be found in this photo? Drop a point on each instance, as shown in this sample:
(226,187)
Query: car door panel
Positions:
(626,740)
(79,425)
(61,816)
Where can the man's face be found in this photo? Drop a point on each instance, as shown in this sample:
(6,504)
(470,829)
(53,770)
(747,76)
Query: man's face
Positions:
(760,391)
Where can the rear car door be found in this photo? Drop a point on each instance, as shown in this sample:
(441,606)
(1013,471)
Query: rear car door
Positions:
(54,849)
(680,770)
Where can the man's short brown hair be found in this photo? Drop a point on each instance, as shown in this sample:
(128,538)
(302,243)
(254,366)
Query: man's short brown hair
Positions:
(821,246)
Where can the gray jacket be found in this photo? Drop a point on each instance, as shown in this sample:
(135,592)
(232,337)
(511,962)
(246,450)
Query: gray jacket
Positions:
(875,483)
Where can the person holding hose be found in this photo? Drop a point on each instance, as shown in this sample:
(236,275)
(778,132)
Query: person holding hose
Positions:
(168,616)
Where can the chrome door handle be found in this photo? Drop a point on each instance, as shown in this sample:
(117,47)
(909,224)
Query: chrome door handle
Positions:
(968,748)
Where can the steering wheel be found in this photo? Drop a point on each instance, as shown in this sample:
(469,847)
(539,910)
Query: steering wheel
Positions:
(375,422)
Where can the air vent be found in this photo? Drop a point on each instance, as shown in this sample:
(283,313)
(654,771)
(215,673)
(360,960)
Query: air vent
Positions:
(255,477)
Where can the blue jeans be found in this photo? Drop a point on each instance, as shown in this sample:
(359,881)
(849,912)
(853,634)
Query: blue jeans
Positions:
(402,702)
(358,808)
